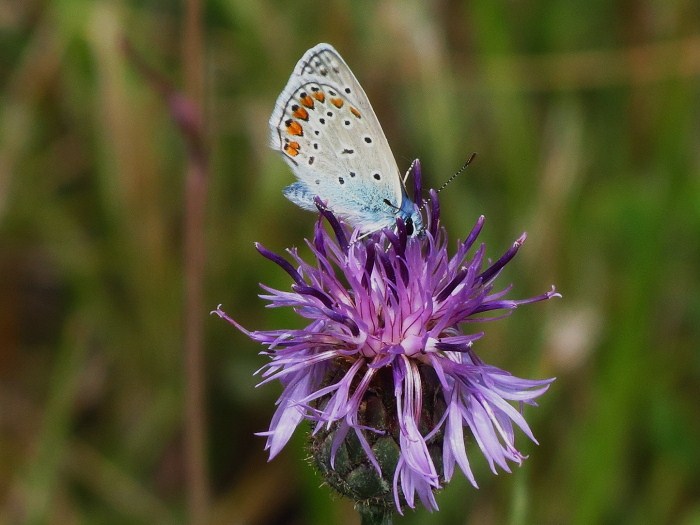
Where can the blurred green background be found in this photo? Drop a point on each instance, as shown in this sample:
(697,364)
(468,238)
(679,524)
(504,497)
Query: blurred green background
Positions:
(586,119)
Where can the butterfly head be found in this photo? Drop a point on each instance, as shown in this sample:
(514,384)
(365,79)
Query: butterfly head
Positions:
(410,209)
(412,218)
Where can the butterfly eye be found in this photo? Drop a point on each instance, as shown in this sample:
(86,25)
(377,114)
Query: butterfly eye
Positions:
(409,226)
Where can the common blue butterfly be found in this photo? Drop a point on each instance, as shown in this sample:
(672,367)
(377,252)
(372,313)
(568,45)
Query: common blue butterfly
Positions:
(326,130)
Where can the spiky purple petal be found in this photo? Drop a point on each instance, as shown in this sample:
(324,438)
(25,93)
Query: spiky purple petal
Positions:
(398,303)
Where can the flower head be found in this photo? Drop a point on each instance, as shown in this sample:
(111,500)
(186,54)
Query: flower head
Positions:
(385,370)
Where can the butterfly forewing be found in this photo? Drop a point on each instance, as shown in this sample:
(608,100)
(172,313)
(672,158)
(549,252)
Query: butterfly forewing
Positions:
(324,126)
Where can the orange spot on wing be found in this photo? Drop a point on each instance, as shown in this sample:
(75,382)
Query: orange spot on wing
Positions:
(292,149)
(318,95)
(301,113)
(355,112)
(294,128)
(307,101)
(337,102)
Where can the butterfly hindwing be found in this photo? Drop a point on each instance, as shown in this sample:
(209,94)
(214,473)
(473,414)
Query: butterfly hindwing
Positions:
(326,130)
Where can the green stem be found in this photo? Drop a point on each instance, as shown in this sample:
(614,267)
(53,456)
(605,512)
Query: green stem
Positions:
(375,515)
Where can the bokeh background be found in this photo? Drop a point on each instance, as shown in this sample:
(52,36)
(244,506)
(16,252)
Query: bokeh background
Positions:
(586,119)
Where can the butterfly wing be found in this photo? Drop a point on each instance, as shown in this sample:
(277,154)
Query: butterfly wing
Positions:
(326,130)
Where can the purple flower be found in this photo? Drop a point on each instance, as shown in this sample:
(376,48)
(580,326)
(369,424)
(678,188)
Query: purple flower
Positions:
(386,369)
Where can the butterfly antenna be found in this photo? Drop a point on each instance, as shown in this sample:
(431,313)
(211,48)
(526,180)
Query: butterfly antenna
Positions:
(457,173)
(453,177)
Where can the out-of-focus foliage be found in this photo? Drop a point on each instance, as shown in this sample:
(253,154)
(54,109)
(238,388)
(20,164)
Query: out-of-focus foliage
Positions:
(586,118)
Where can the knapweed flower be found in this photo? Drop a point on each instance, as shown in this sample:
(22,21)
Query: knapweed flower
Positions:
(386,370)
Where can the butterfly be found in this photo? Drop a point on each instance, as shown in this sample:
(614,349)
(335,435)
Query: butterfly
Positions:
(326,130)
